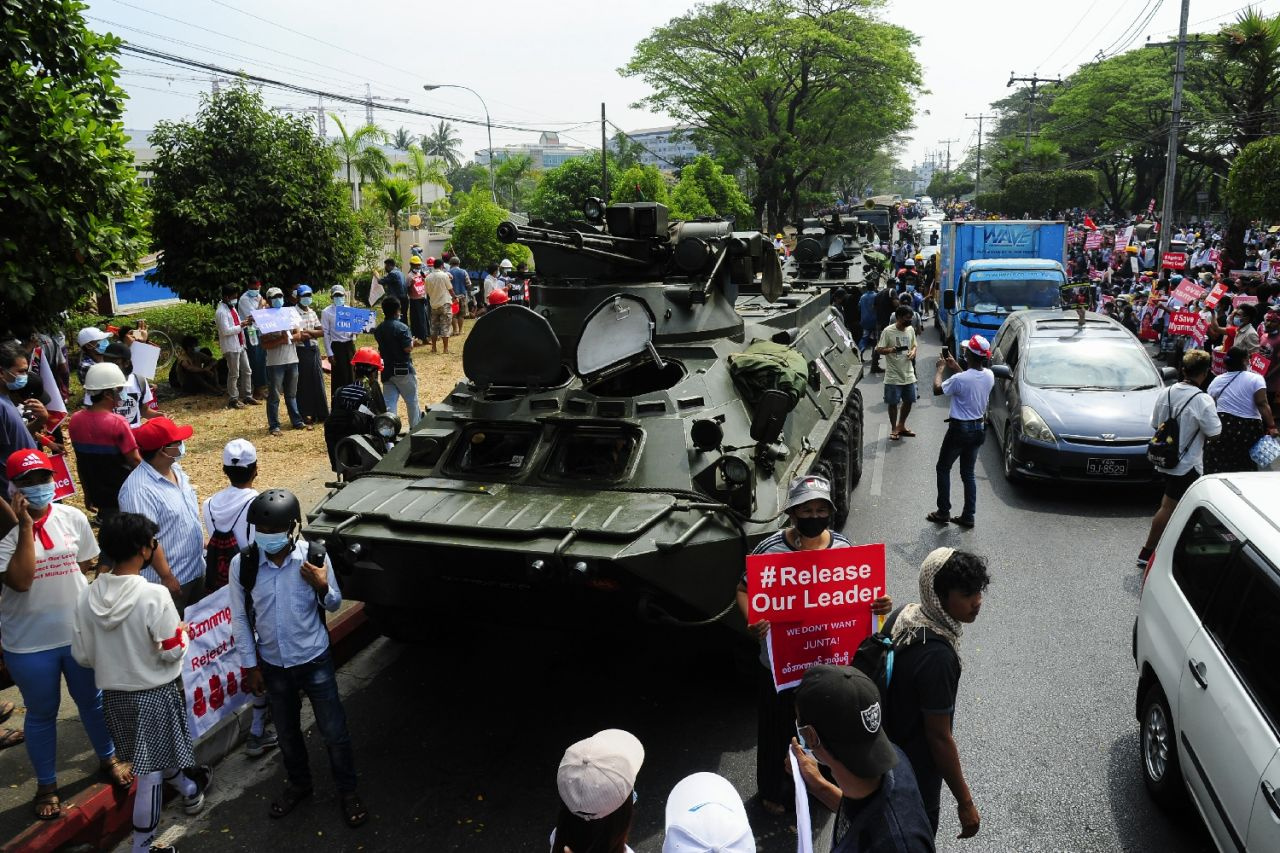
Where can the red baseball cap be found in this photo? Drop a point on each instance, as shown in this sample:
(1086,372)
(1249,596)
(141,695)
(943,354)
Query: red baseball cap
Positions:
(978,345)
(159,432)
(23,461)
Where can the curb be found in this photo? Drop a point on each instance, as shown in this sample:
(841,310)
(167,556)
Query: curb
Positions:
(100,816)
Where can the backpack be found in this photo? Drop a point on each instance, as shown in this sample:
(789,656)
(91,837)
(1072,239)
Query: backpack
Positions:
(874,656)
(222,546)
(1162,449)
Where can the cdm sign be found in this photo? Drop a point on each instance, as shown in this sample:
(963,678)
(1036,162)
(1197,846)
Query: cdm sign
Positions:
(1012,240)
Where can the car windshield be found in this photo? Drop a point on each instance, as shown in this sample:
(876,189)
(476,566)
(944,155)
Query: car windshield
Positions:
(1089,363)
(999,297)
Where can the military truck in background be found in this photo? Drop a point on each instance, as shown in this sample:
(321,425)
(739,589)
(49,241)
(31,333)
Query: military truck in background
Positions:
(615,450)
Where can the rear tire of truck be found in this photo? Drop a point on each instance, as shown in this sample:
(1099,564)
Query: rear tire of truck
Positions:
(853,415)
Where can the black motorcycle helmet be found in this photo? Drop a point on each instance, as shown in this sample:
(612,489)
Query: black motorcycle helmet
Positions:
(275,508)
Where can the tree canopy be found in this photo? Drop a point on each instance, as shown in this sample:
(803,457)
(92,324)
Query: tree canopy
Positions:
(783,87)
(475,232)
(241,193)
(705,190)
(71,207)
(642,183)
(1254,179)
(562,191)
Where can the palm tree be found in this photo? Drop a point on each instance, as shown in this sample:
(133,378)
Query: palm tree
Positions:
(443,142)
(402,139)
(1250,72)
(421,170)
(351,148)
(510,172)
(393,196)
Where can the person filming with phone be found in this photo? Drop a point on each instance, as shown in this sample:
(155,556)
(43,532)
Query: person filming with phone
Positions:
(969,390)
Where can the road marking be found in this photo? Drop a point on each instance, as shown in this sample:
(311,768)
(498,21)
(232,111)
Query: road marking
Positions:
(880,450)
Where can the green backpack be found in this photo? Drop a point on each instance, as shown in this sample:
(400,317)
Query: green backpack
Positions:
(765,366)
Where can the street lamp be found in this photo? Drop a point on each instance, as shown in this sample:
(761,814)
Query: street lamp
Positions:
(488,126)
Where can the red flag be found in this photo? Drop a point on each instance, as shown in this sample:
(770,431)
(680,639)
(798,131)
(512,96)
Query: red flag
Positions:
(1088,223)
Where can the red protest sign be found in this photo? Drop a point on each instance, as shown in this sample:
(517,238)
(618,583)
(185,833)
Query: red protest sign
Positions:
(1259,363)
(1187,292)
(63,485)
(1174,260)
(809,586)
(1219,361)
(1183,322)
(1093,240)
(1243,299)
(1215,295)
(796,646)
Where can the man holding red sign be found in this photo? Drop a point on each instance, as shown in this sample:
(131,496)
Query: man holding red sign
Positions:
(831,632)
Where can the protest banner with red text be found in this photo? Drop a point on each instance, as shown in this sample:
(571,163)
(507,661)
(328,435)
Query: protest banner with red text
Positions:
(211,675)
(1187,292)
(1243,299)
(1093,241)
(63,485)
(818,604)
(1215,295)
(1259,363)
(1183,322)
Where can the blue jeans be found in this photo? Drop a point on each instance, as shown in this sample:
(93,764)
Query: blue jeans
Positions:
(283,380)
(395,386)
(285,686)
(257,364)
(962,441)
(39,678)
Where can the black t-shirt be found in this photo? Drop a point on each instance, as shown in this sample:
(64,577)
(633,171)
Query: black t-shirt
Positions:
(926,678)
(884,307)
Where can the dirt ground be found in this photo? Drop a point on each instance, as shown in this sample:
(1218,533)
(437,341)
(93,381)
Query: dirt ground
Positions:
(296,460)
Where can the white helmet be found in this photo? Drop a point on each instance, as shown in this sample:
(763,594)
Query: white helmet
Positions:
(103,377)
(506,264)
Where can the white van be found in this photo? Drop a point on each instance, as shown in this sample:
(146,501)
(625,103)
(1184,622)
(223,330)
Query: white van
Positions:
(1207,646)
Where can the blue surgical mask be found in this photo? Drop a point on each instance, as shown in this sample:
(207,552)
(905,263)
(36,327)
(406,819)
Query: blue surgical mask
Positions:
(339,301)
(304,301)
(271,543)
(277,302)
(252,294)
(103,344)
(39,496)
(18,382)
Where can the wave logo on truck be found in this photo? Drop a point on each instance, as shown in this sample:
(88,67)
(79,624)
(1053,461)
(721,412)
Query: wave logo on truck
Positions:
(1014,241)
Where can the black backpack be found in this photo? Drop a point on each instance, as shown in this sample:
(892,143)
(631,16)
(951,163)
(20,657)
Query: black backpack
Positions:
(222,546)
(1164,450)
(874,655)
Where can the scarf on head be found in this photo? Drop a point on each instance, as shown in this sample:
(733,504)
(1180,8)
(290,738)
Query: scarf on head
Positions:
(916,620)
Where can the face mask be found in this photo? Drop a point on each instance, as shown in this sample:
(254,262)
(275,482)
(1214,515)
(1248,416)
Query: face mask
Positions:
(812,526)
(271,543)
(1237,321)
(339,301)
(103,344)
(18,382)
(252,294)
(304,301)
(38,496)
(182,451)
(277,302)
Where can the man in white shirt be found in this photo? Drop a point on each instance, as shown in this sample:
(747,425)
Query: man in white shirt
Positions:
(234,346)
(1197,420)
(250,301)
(339,347)
(969,391)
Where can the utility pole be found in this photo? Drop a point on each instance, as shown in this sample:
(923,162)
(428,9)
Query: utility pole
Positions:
(604,156)
(1035,80)
(1171,161)
(369,98)
(947,142)
(977,176)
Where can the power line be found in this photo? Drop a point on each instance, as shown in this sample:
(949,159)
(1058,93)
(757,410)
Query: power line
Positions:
(1148,9)
(1070,33)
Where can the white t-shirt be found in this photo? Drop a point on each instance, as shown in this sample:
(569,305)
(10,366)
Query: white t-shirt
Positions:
(1234,393)
(41,618)
(1197,420)
(137,394)
(228,507)
(969,391)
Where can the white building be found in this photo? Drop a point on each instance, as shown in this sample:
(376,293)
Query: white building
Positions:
(547,153)
(668,147)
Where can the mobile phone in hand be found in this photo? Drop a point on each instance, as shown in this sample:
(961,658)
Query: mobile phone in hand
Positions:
(946,353)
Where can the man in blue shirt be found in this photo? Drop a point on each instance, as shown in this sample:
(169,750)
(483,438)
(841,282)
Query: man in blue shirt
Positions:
(14,434)
(395,345)
(867,313)
(393,282)
(278,601)
(461,289)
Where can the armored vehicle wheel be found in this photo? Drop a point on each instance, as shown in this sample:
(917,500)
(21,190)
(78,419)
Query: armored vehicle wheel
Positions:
(853,415)
(837,456)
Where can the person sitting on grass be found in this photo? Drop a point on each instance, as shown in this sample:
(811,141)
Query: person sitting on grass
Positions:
(196,371)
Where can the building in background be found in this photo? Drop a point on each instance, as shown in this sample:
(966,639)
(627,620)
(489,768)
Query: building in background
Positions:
(668,147)
(547,153)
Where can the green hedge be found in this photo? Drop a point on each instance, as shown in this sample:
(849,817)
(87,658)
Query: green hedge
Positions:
(991,202)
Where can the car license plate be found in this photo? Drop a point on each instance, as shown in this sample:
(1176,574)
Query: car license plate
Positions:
(1108,467)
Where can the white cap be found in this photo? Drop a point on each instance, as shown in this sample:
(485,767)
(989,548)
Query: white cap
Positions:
(91,335)
(705,815)
(239,453)
(506,264)
(338,290)
(597,775)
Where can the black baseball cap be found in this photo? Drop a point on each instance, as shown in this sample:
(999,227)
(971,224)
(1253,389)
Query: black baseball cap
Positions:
(843,706)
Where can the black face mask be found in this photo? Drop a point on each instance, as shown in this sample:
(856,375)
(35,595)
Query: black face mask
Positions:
(812,526)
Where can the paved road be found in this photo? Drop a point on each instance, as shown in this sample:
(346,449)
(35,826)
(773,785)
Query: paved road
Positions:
(458,750)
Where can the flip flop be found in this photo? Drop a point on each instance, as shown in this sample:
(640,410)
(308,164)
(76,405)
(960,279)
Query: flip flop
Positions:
(353,811)
(6,710)
(11,737)
(908,433)
(288,800)
(893,436)
(938,518)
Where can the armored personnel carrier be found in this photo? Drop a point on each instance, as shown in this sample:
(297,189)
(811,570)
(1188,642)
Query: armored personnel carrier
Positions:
(615,449)
(836,251)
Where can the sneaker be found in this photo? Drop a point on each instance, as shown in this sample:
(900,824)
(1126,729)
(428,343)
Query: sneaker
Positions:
(235,404)
(256,745)
(202,775)
(1144,557)
(251,401)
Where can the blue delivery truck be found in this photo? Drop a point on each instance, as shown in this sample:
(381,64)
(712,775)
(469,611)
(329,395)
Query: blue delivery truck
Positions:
(989,269)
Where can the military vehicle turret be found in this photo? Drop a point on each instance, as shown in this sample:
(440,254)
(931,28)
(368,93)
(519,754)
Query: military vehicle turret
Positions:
(836,251)
(614,449)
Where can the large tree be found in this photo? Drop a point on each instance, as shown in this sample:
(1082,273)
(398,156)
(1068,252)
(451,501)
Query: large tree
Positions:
(705,190)
(1254,185)
(71,207)
(781,86)
(239,193)
(352,148)
(475,232)
(563,190)
(641,183)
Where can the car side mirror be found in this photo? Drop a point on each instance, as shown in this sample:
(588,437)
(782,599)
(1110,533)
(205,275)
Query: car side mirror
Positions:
(770,416)
(949,300)
(1003,371)
(1169,374)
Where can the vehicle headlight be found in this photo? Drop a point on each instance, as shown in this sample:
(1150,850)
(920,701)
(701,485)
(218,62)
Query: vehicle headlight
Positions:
(1034,427)
(387,425)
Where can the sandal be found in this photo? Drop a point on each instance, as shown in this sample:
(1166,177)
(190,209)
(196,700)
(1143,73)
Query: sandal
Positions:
(908,433)
(938,518)
(48,804)
(288,800)
(893,436)
(119,773)
(11,737)
(6,710)
(353,811)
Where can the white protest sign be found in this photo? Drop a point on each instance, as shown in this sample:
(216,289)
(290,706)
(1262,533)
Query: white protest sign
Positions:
(270,320)
(145,358)
(211,675)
